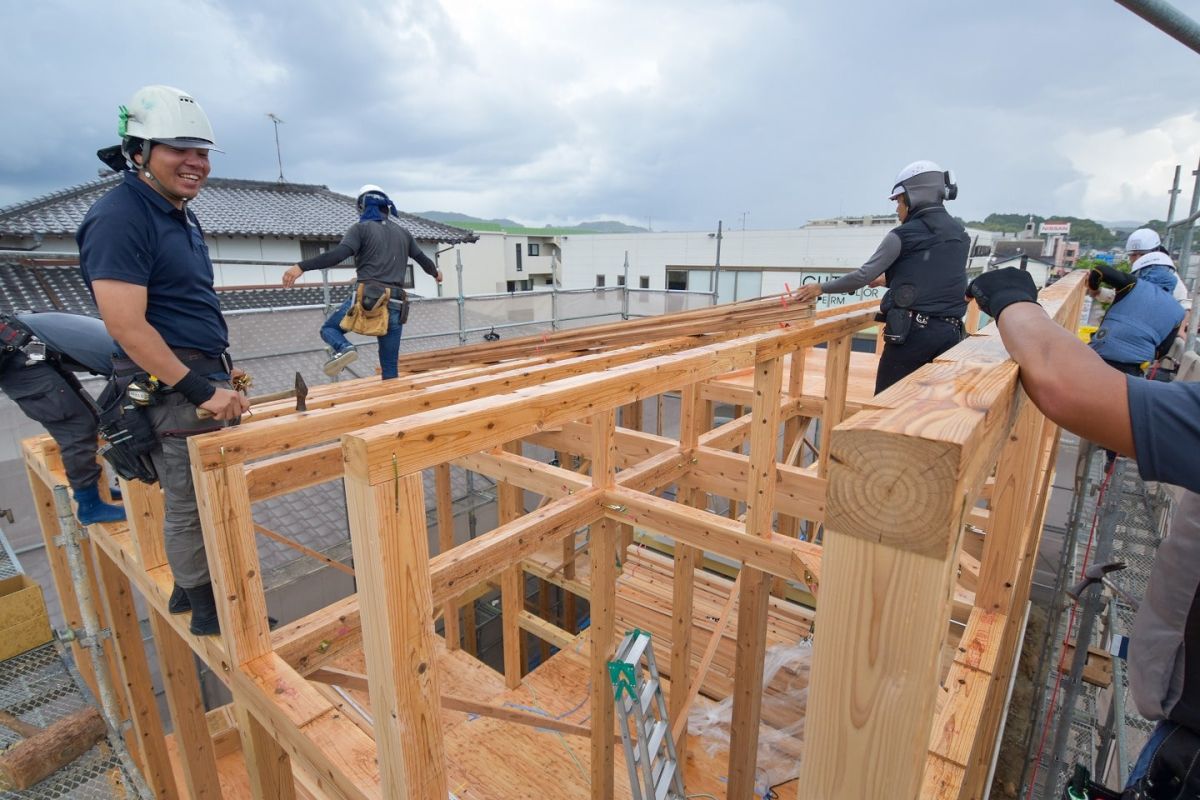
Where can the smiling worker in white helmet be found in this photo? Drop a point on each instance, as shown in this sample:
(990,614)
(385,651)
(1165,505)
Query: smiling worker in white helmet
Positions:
(143,256)
(381,249)
(923,264)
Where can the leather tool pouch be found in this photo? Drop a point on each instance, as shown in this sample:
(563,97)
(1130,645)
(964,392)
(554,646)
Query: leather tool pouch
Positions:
(126,432)
(368,314)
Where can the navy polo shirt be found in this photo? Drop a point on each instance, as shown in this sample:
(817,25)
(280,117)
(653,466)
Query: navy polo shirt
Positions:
(1166,430)
(134,235)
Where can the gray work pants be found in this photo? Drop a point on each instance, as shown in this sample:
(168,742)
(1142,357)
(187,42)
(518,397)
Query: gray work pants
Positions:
(174,419)
(54,398)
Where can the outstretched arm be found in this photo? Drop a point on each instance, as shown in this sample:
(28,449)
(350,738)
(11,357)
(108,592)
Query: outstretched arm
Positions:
(1066,379)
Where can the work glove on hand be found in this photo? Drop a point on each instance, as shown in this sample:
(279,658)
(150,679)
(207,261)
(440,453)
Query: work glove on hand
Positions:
(997,290)
(1095,276)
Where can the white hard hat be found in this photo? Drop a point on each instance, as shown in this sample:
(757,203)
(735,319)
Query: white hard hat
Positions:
(369,188)
(1143,240)
(948,192)
(166,115)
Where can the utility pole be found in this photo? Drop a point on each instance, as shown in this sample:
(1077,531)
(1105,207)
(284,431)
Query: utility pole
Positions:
(278,154)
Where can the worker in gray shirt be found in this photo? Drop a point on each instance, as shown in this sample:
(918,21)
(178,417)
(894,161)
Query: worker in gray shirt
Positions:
(923,263)
(1159,425)
(381,249)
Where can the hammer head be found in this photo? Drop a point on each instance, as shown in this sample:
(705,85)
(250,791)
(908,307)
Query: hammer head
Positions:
(301,393)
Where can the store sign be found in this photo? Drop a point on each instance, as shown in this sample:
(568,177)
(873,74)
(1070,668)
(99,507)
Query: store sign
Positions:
(1055,228)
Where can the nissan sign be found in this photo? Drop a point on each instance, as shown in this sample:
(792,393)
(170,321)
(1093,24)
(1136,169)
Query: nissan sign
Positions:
(1055,228)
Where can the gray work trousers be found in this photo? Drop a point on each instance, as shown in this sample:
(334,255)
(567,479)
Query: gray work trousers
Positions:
(174,419)
(54,398)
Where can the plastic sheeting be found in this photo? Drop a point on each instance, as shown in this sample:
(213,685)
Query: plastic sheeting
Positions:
(784,701)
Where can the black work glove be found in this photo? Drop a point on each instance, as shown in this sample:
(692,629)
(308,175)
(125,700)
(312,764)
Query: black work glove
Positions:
(1095,276)
(997,290)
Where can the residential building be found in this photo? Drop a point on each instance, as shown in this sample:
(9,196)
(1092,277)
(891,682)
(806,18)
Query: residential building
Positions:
(253,229)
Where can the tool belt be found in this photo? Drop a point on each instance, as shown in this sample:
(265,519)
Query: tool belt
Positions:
(369,310)
(126,432)
(899,323)
(194,360)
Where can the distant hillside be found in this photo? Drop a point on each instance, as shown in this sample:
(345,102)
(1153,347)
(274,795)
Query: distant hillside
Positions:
(1091,235)
(503,224)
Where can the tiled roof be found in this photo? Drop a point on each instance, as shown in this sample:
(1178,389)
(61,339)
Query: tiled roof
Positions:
(40,288)
(226,206)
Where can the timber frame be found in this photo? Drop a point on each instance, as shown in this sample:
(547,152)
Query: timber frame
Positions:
(931,499)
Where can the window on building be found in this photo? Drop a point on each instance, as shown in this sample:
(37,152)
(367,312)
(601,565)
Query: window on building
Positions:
(314,247)
(677,280)
(599,281)
(534,248)
(520,286)
(644,282)
(620,280)
(548,280)
(520,266)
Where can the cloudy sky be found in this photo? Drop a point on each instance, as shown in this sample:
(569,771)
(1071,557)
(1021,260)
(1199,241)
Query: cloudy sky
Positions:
(681,113)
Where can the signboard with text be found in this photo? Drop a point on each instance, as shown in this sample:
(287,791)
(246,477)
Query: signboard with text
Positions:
(1055,228)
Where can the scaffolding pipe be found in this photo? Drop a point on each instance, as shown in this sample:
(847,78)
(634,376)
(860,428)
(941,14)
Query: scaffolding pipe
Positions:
(93,636)
(1185,250)
(1171,207)
(1167,19)
(716,280)
(462,299)
(625,285)
(1092,604)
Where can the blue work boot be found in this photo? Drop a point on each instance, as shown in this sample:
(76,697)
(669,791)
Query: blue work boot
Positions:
(92,509)
(340,359)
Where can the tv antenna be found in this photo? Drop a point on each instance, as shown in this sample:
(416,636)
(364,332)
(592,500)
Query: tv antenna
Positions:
(278,155)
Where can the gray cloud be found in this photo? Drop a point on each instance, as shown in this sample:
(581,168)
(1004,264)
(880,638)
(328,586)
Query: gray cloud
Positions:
(683,113)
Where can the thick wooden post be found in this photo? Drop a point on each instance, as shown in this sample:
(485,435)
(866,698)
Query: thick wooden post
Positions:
(223,500)
(509,507)
(134,677)
(755,584)
(445,512)
(177,664)
(692,422)
(900,481)
(837,374)
(391,557)
(603,610)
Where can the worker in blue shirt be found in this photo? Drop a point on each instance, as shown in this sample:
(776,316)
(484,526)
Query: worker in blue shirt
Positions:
(143,256)
(1159,425)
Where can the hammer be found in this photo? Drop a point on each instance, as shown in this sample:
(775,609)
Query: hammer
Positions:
(300,392)
(1098,573)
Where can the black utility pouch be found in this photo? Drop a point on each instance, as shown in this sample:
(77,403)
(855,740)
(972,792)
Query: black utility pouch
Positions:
(373,295)
(127,433)
(899,324)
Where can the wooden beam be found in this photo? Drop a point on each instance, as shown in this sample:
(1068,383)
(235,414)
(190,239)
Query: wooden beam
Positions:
(546,631)
(837,375)
(182,688)
(603,646)
(391,553)
(695,415)
(315,555)
(754,592)
(134,679)
(798,492)
(445,517)
(777,554)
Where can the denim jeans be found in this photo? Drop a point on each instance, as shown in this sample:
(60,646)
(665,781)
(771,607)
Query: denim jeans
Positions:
(389,343)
